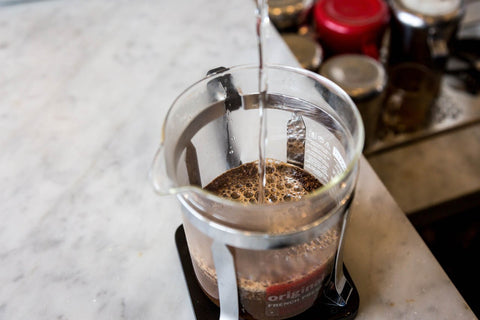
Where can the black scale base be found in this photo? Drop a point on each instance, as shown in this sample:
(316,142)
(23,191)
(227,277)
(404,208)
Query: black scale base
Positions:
(206,310)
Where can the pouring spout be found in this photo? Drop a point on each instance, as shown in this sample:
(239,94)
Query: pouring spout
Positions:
(164,184)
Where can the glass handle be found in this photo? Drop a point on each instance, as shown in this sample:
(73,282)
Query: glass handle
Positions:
(340,289)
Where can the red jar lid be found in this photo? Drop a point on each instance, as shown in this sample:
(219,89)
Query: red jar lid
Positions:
(350,25)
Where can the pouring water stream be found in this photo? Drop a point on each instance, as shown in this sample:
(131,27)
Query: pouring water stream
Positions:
(261,25)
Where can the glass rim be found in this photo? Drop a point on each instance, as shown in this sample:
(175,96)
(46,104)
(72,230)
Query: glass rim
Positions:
(358,141)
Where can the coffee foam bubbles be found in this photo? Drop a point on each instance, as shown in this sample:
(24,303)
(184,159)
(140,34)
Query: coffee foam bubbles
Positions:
(284,183)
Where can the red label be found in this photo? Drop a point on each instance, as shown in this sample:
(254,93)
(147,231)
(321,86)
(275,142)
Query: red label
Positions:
(291,298)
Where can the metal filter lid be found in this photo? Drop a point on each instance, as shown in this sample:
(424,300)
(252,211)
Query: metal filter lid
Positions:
(360,76)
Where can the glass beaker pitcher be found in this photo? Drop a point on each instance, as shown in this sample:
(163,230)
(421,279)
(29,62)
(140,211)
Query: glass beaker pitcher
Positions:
(271,260)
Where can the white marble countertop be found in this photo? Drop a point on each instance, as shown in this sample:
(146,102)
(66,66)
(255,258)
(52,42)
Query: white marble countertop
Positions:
(84,88)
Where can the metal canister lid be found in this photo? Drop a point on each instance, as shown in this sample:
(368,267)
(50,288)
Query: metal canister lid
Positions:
(360,76)
(426,13)
(307,51)
(286,14)
(432,7)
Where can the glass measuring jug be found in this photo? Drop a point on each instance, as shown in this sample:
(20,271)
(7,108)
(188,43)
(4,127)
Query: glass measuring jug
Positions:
(270,260)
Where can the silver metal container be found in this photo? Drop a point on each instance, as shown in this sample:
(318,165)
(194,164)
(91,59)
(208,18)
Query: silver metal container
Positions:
(364,79)
(421,31)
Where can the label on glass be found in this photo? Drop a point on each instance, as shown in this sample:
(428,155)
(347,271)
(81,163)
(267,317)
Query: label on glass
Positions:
(291,298)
